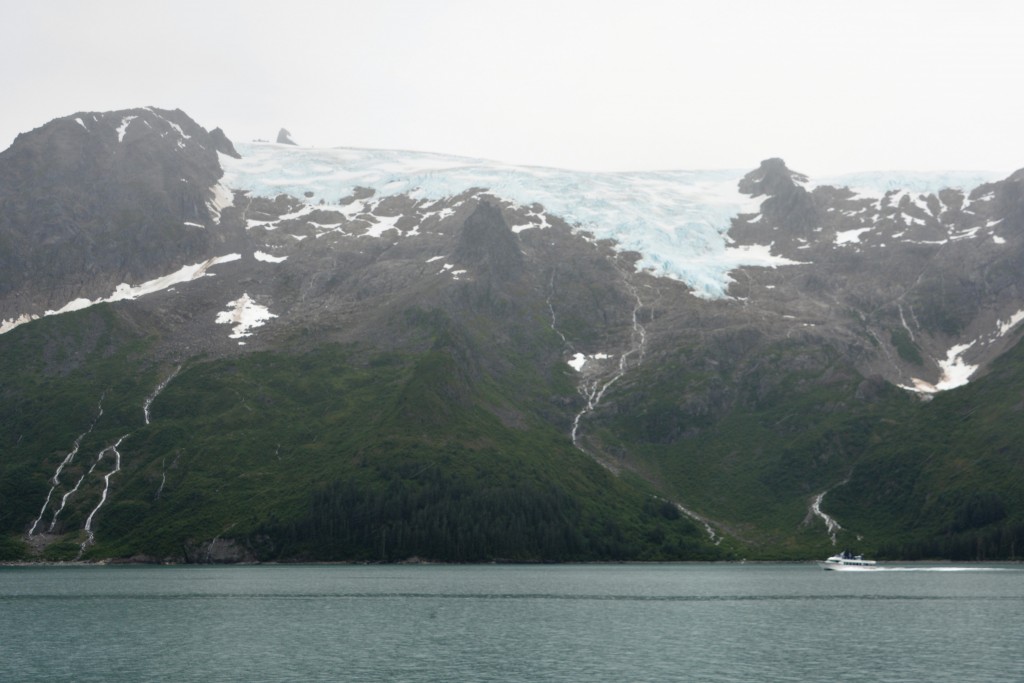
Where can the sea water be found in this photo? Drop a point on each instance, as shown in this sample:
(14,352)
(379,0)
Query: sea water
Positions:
(637,622)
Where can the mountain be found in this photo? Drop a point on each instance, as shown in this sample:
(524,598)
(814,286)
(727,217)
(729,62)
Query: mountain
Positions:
(221,352)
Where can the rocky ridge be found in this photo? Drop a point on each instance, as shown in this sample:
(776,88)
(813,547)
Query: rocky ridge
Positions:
(95,199)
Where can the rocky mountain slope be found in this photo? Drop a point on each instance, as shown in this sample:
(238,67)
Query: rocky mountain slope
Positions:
(263,351)
(93,200)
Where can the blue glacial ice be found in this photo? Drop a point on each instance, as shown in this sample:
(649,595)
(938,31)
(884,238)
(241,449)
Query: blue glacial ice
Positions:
(677,220)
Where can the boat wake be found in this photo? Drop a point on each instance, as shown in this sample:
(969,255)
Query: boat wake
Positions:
(948,569)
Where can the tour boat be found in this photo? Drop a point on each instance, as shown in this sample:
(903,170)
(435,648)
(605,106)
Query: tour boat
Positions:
(846,562)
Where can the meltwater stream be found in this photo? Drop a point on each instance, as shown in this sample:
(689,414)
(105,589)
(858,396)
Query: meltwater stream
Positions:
(670,622)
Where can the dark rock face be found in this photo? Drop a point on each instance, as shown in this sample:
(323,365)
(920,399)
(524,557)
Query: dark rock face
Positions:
(91,200)
(772,178)
(487,243)
(788,209)
(223,144)
(285,138)
(898,280)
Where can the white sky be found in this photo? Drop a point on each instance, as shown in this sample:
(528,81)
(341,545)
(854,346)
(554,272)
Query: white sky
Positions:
(582,84)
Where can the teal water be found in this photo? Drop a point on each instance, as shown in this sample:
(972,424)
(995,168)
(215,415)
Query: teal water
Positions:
(677,622)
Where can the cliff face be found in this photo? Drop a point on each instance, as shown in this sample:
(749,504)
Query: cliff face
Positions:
(92,200)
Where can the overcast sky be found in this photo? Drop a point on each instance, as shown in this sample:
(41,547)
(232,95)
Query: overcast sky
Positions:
(581,84)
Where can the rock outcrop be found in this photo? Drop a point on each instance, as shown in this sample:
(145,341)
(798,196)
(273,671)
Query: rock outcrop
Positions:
(95,199)
(285,138)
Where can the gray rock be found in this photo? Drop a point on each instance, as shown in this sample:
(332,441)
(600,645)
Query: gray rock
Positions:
(285,138)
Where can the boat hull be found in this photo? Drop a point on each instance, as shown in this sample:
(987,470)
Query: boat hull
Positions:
(847,562)
(836,567)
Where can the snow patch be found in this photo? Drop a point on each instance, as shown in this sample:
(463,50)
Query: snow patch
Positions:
(125,291)
(123,128)
(382,225)
(444,213)
(921,202)
(184,274)
(251,223)
(304,210)
(760,255)
(535,220)
(222,199)
(263,256)
(244,314)
(955,372)
(933,242)
(1005,327)
(177,128)
(851,236)
(10,323)
(966,234)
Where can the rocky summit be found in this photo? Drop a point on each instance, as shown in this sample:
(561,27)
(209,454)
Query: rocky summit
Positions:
(243,352)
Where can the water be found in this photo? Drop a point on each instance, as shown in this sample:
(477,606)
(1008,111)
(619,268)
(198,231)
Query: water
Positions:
(682,622)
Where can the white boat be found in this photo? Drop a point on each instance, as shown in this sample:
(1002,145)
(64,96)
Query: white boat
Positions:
(846,562)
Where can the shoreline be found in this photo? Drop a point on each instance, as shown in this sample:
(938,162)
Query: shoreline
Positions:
(891,564)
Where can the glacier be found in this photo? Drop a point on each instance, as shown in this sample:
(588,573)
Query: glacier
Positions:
(678,221)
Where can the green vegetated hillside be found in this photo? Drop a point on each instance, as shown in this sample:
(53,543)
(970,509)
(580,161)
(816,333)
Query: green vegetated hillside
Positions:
(328,453)
(458,451)
(904,478)
(750,438)
(73,377)
(949,480)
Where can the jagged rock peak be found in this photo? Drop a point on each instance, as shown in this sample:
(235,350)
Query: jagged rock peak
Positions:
(88,134)
(224,144)
(285,138)
(771,178)
(129,124)
(138,194)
